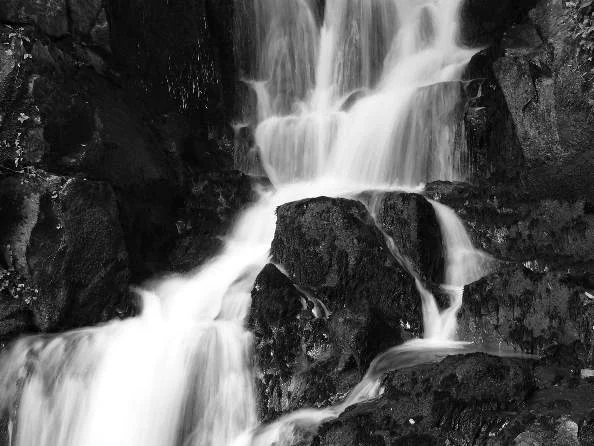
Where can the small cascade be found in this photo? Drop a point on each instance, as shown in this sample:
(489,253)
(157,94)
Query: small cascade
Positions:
(384,75)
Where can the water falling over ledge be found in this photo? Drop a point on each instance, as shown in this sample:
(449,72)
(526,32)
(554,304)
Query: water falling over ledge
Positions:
(365,100)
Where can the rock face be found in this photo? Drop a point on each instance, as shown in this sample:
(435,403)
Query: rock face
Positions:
(548,89)
(410,220)
(106,177)
(468,400)
(344,299)
(209,210)
(484,22)
(529,311)
(538,295)
(63,240)
(332,248)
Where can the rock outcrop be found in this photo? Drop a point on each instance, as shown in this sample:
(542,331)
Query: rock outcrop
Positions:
(468,400)
(343,300)
(65,251)
(108,175)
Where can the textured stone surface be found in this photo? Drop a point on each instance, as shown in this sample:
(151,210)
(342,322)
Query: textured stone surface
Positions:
(410,220)
(63,238)
(462,400)
(549,90)
(332,248)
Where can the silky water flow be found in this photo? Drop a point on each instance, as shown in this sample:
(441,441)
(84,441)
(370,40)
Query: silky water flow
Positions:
(354,96)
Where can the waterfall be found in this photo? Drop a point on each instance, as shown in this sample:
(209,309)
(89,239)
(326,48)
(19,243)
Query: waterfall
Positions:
(362,95)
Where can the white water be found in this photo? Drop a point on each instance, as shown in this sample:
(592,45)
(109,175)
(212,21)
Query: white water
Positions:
(357,103)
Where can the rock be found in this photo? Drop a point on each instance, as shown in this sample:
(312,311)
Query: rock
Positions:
(299,359)
(84,15)
(211,207)
(462,400)
(527,311)
(484,21)
(344,300)
(494,154)
(549,90)
(176,52)
(410,220)
(50,16)
(63,237)
(332,248)
(512,226)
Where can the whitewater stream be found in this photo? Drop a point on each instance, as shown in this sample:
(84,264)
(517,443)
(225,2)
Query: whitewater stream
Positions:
(357,95)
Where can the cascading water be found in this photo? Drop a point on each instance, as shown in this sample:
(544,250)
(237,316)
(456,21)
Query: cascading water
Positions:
(362,99)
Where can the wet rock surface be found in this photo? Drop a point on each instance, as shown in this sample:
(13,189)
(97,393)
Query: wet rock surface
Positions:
(63,247)
(411,222)
(344,297)
(304,357)
(332,248)
(473,399)
(106,180)
(538,293)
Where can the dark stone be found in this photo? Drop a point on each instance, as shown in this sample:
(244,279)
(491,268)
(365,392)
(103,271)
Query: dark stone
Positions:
(303,357)
(179,52)
(64,239)
(549,90)
(50,16)
(493,150)
(410,220)
(484,21)
(345,300)
(462,400)
(209,211)
(84,15)
(512,226)
(332,248)
(528,311)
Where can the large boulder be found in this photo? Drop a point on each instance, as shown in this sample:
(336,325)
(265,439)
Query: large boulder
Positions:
(463,400)
(343,300)
(549,90)
(64,258)
(304,356)
(332,248)
(529,311)
(468,400)
(410,220)
(484,21)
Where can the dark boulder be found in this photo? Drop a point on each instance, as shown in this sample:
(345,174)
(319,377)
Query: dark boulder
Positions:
(549,90)
(332,248)
(209,211)
(344,300)
(484,21)
(303,358)
(410,220)
(63,239)
(463,400)
(528,311)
